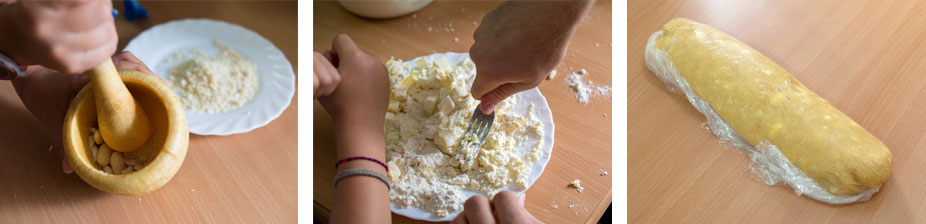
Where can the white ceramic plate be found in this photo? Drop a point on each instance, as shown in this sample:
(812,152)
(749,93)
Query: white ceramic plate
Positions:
(541,110)
(159,45)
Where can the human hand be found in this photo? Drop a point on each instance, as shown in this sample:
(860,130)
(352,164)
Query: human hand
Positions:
(326,75)
(518,44)
(363,93)
(506,207)
(47,94)
(67,36)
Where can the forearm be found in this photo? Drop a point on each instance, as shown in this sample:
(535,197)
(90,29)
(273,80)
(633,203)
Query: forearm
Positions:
(556,17)
(359,198)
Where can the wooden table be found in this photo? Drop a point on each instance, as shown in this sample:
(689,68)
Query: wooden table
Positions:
(862,56)
(583,132)
(247,177)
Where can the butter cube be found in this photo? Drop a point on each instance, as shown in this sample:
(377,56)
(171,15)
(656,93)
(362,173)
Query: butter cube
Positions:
(458,91)
(394,171)
(421,63)
(409,127)
(399,92)
(446,140)
(442,63)
(446,106)
(393,106)
(443,92)
(429,103)
(434,79)
(390,119)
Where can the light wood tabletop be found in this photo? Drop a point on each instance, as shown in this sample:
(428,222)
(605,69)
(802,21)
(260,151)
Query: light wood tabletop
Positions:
(864,57)
(583,132)
(249,178)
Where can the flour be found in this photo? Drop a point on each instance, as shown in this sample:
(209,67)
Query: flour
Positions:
(585,90)
(214,84)
(428,113)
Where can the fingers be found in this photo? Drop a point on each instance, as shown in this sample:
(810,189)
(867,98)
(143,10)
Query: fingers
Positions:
(460,219)
(66,167)
(478,209)
(332,57)
(127,61)
(491,99)
(326,76)
(86,59)
(72,37)
(80,15)
(315,83)
(510,208)
(508,205)
(344,46)
(58,146)
(482,85)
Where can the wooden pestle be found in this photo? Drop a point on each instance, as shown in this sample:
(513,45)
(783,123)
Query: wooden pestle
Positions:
(123,123)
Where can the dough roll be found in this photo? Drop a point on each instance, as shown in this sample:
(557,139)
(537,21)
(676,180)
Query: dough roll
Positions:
(764,103)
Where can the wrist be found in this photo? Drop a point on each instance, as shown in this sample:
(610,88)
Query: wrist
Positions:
(353,139)
(564,15)
(358,122)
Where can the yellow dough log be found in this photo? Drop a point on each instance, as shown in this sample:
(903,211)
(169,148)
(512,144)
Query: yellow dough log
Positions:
(763,102)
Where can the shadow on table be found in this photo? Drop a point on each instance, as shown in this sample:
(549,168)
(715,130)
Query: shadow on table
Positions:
(30,174)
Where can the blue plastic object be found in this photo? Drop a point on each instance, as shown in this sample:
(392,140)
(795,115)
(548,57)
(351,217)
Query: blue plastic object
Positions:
(115,13)
(133,10)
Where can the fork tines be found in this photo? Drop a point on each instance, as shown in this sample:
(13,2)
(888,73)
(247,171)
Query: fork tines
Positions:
(479,125)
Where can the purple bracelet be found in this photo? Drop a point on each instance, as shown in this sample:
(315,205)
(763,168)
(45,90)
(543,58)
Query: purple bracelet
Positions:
(348,159)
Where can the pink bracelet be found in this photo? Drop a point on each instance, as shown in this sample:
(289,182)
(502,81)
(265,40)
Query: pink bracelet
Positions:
(348,159)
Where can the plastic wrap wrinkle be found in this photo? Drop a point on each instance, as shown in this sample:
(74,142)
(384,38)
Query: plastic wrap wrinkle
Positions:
(768,163)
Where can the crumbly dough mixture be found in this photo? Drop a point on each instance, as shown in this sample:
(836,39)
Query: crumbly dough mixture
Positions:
(214,84)
(429,110)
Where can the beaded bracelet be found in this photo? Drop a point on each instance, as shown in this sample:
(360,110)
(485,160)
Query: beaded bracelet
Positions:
(363,158)
(361,171)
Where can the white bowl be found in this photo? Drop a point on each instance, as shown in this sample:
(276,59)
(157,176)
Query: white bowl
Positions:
(383,9)
(159,45)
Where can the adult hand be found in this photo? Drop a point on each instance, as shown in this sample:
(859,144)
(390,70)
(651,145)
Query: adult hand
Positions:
(506,207)
(518,44)
(67,36)
(47,94)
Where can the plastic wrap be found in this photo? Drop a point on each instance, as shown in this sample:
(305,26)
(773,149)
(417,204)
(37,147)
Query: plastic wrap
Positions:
(768,162)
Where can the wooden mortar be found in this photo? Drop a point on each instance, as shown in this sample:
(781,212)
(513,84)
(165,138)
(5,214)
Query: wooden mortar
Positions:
(164,151)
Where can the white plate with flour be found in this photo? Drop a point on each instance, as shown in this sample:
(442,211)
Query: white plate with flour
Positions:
(160,45)
(541,110)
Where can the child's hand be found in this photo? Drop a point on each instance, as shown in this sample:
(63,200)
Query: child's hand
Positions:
(67,36)
(326,76)
(506,207)
(47,94)
(363,93)
(358,107)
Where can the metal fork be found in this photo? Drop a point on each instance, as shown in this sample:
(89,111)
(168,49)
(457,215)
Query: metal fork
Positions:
(479,125)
